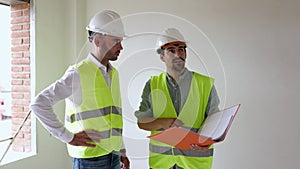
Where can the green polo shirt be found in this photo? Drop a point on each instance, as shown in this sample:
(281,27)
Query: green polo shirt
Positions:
(178,93)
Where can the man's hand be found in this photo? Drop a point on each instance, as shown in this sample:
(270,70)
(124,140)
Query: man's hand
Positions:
(195,147)
(166,123)
(86,138)
(125,163)
(150,123)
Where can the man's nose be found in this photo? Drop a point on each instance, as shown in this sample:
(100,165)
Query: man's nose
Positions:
(119,46)
(177,54)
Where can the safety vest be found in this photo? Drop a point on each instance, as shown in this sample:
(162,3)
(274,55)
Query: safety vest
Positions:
(100,110)
(163,156)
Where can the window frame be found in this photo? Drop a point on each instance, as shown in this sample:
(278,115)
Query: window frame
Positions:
(13,155)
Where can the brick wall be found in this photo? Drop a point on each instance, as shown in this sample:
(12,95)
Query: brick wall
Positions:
(20,54)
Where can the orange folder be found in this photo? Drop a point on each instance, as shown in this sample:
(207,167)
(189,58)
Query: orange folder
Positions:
(182,138)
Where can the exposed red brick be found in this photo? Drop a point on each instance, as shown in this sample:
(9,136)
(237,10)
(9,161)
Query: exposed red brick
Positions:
(20,102)
(20,89)
(20,135)
(20,48)
(18,147)
(26,54)
(20,20)
(16,69)
(26,41)
(25,128)
(26,26)
(15,14)
(18,41)
(17,109)
(17,96)
(20,62)
(18,115)
(19,7)
(26,12)
(26,108)
(26,82)
(28,136)
(16,27)
(27,96)
(20,76)
(17,55)
(16,82)
(20,34)
(26,68)
(27,142)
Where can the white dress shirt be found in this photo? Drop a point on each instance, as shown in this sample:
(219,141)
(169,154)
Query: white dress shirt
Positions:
(68,86)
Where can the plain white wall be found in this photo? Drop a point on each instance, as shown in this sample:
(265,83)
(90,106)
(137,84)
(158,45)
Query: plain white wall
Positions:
(257,43)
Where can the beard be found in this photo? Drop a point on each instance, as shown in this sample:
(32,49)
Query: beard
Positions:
(178,64)
(110,54)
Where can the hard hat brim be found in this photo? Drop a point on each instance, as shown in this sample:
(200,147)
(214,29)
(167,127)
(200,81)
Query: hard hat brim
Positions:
(106,33)
(159,50)
(172,44)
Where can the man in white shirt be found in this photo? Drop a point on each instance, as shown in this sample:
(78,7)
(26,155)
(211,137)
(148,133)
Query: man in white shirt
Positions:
(93,123)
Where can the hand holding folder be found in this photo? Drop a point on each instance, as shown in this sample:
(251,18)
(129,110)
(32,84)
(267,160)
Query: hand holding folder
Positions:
(213,130)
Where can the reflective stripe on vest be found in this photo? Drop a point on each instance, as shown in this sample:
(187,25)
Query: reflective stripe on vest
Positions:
(192,115)
(100,110)
(112,132)
(93,113)
(176,151)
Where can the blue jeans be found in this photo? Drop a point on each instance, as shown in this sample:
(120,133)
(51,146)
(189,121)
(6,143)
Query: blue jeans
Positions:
(109,161)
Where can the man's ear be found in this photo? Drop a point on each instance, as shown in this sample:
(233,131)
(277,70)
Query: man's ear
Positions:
(162,57)
(97,40)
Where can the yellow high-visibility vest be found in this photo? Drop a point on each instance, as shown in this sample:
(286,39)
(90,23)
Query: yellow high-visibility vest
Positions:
(100,110)
(163,156)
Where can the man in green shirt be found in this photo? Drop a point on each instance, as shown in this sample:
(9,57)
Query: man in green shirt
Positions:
(177,97)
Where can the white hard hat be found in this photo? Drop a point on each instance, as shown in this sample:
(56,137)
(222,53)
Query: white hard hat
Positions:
(168,36)
(107,22)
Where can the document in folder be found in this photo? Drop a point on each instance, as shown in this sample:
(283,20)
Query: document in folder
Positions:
(213,130)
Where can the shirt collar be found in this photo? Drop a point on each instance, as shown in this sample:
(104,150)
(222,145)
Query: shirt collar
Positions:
(91,58)
(182,77)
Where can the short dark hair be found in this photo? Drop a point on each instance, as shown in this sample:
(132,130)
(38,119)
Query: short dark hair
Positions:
(160,51)
(92,35)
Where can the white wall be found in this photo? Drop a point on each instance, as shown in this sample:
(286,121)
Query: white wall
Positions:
(257,43)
